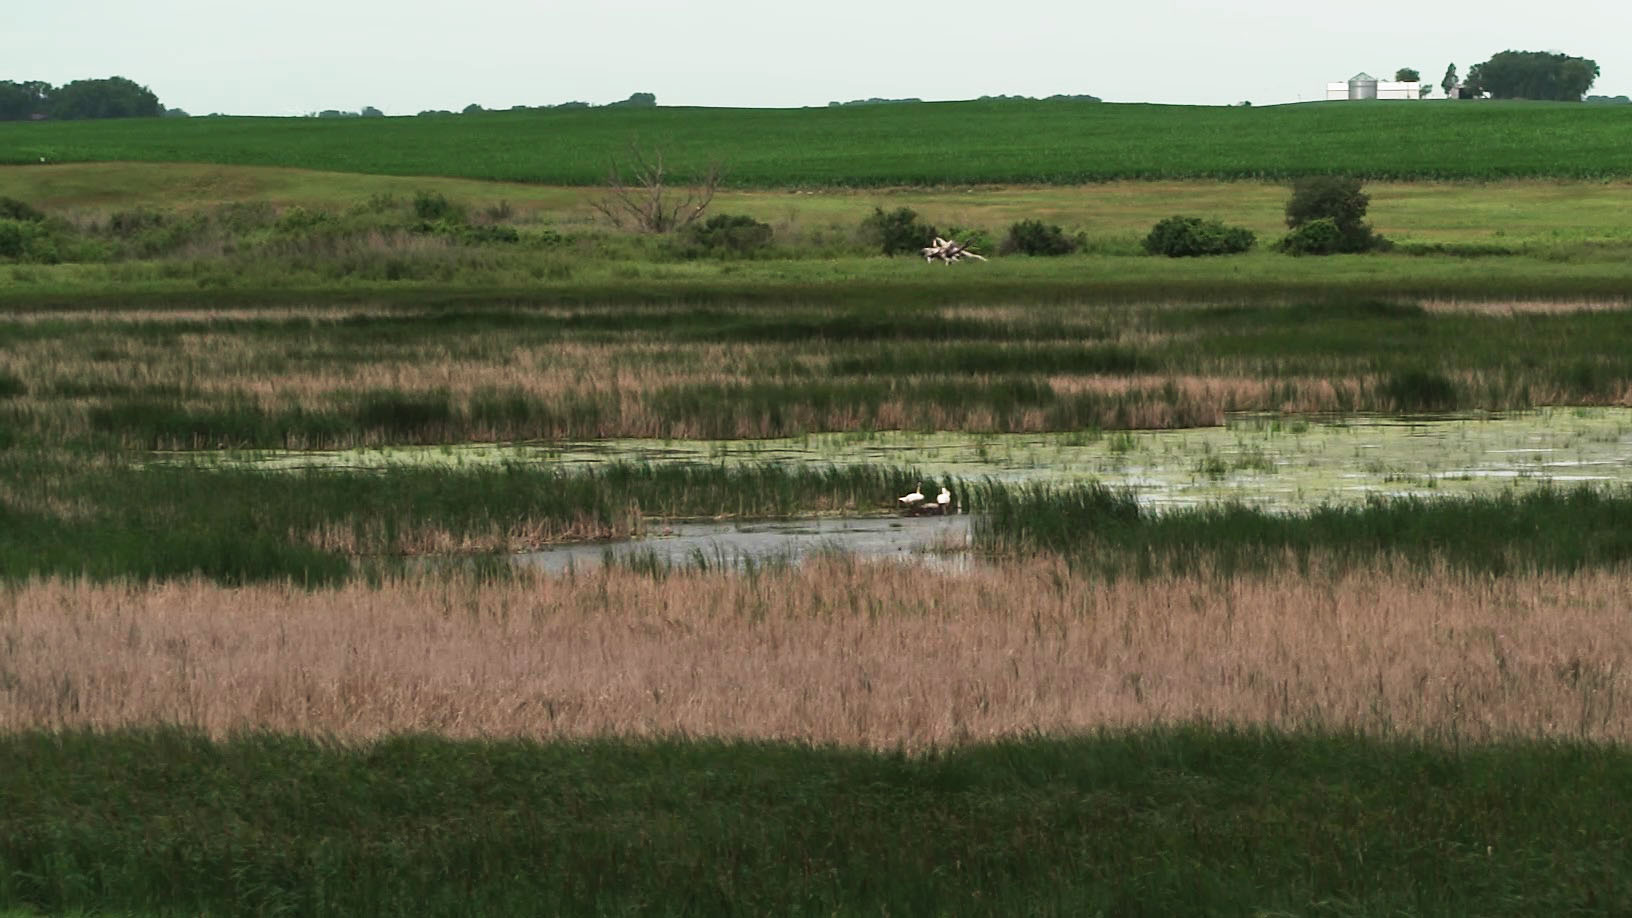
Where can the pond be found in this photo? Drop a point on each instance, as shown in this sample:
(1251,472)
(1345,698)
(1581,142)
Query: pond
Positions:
(1278,462)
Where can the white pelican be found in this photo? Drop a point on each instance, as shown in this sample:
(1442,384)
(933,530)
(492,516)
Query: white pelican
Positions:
(914,499)
(944,499)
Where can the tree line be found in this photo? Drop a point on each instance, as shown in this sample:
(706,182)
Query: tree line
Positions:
(114,97)
(1542,75)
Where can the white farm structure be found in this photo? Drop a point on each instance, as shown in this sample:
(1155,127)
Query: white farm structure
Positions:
(1366,86)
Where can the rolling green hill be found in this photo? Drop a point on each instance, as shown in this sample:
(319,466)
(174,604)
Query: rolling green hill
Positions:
(910,144)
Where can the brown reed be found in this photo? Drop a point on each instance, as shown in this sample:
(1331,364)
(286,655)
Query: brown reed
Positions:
(834,651)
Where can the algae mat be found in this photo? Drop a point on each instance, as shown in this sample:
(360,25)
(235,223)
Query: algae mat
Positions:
(1272,461)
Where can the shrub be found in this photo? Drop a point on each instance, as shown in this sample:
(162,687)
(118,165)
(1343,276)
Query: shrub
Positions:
(13,209)
(897,231)
(25,240)
(432,206)
(1033,237)
(127,223)
(298,221)
(1317,237)
(725,236)
(1182,237)
(977,239)
(1340,200)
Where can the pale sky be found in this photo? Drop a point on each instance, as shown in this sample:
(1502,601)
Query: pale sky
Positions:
(402,56)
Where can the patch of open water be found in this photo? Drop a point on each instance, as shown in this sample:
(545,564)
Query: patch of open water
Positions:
(1276,462)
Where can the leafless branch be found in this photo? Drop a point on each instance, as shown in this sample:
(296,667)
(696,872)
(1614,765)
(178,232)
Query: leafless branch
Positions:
(644,201)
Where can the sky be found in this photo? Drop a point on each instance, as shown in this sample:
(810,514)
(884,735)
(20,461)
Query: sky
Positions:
(402,56)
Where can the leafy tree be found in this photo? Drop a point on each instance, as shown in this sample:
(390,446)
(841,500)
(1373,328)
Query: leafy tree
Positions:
(21,101)
(370,111)
(1449,82)
(114,97)
(472,109)
(1407,75)
(635,100)
(1534,75)
(1338,199)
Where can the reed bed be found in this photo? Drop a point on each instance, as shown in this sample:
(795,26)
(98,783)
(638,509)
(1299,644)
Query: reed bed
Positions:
(874,655)
(111,520)
(375,377)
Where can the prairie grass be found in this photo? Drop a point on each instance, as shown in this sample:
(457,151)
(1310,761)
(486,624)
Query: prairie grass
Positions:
(879,655)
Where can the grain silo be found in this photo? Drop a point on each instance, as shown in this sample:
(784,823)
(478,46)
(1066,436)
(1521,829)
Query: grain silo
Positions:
(1362,86)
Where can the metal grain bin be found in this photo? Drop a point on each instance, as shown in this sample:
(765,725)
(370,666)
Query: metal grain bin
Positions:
(1362,86)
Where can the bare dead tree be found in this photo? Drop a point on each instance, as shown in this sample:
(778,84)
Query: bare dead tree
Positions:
(644,200)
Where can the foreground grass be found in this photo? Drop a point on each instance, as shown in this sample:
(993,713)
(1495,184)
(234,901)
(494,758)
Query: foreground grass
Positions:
(974,142)
(1158,822)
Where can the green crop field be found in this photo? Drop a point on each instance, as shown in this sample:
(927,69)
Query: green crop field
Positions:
(954,143)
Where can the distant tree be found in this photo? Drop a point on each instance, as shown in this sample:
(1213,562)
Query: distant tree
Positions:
(1339,200)
(370,111)
(1424,90)
(1609,100)
(1533,75)
(1407,75)
(635,100)
(174,113)
(472,109)
(114,97)
(1449,82)
(21,101)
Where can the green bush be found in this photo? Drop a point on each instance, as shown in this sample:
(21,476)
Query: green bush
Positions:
(1317,237)
(25,240)
(433,206)
(1183,237)
(13,209)
(726,236)
(977,239)
(1340,200)
(897,231)
(1033,237)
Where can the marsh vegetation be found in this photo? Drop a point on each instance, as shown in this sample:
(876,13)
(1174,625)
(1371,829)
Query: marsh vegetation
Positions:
(1282,592)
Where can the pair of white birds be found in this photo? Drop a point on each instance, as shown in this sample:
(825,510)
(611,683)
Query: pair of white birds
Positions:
(917,497)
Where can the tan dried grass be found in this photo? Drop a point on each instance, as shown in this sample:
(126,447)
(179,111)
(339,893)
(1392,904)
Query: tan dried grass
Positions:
(831,652)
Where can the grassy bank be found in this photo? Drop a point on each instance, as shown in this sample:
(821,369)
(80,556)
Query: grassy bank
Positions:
(1160,822)
(972,142)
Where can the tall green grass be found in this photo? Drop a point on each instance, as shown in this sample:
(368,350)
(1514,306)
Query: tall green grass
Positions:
(1168,821)
(973,142)
(1106,530)
(110,520)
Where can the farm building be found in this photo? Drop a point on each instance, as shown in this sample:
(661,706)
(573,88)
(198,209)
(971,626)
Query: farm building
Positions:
(1365,86)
